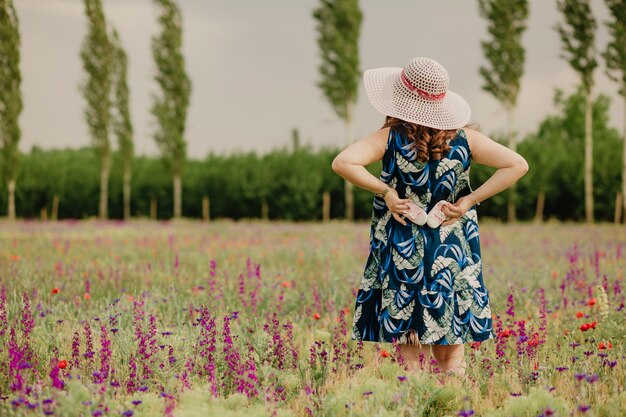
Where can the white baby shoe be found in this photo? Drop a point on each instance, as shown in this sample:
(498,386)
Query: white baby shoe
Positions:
(436,216)
(416,214)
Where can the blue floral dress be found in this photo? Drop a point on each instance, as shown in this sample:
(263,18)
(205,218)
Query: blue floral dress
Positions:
(417,279)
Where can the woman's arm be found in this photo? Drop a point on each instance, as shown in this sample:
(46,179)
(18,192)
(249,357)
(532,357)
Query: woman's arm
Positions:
(350,164)
(510,167)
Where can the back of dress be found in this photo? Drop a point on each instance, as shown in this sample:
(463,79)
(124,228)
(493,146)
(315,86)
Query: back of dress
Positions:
(422,282)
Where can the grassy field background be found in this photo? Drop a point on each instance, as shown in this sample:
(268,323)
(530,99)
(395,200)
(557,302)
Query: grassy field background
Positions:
(252,318)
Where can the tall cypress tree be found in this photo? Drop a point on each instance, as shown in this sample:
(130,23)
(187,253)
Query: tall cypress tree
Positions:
(615,56)
(98,59)
(122,124)
(10,97)
(506,22)
(170,106)
(338,32)
(578,36)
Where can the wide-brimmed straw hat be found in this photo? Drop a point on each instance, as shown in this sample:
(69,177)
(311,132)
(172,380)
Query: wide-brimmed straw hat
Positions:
(417,93)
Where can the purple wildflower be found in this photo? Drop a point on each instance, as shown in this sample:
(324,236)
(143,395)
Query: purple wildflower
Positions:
(28,321)
(4,323)
(105,354)
(510,304)
(130,384)
(89,352)
(54,375)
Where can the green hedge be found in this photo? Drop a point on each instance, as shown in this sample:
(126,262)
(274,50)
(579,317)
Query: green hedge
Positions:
(292,181)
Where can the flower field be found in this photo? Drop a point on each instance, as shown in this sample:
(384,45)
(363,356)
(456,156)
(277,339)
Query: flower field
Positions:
(253,319)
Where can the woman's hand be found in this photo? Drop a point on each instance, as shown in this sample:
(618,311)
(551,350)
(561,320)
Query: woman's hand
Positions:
(397,206)
(455,211)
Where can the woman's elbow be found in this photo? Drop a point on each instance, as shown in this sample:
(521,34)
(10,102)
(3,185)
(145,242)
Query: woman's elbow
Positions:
(337,164)
(522,166)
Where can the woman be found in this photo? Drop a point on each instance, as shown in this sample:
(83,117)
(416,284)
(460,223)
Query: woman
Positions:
(423,284)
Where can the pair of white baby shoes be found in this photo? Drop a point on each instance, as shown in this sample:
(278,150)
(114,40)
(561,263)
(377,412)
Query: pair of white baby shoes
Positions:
(434,218)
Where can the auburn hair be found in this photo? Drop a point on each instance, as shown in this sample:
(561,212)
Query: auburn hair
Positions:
(430,143)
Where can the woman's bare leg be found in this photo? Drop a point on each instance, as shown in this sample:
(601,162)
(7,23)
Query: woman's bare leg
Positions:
(451,358)
(412,353)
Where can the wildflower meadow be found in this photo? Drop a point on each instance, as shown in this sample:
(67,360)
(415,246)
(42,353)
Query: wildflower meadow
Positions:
(250,318)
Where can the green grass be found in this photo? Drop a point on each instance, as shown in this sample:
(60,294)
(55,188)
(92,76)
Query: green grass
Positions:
(132,271)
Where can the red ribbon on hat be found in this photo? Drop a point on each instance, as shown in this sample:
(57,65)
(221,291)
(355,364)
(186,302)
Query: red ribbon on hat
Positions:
(421,93)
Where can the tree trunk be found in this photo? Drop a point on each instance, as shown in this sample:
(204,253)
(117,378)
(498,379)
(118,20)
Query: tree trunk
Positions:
(624,167)
(178,190)
(511,206)
(617,219)
(349,195)
(11,207)
(126,191)
(54,212)
(153,208)
(588,160)
(541,202)
(326,206)
(104,186)
(205,209)
(265,210)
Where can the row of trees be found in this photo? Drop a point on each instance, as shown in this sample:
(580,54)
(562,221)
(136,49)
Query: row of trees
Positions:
(106,94)
(506,20)
(291,183)
(10,98)
(338,26)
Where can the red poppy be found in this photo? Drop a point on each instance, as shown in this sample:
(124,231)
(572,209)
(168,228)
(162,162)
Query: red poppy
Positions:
(384,353)
(474,345)
(591,301)
(505,333)
(592,325)
(55,290)
(87,296)
(346,310)
(316,316)
(62,364)
(579,314)
(286,284)
(584,327)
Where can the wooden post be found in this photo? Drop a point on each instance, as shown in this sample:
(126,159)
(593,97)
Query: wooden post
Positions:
(44,214)
(541,201)
(153,208)
(325,206)
(54,214)
(618,208)
(205,209)
(265,210)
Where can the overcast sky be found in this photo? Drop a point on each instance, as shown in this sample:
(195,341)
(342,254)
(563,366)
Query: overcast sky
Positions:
(253,67)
